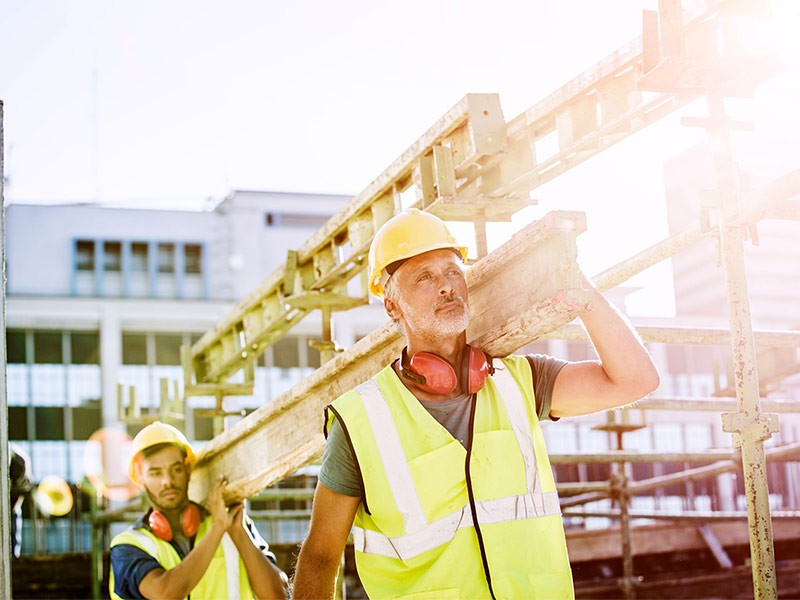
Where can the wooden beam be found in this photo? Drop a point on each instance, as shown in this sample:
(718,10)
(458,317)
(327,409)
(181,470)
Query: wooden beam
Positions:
(516,295)
(601,544)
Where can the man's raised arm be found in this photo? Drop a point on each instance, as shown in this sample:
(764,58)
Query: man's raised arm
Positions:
(624,372)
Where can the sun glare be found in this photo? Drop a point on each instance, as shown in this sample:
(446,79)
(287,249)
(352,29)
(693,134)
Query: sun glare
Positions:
(786,14)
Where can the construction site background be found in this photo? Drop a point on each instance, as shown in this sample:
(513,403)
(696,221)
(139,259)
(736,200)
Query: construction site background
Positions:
(655,497)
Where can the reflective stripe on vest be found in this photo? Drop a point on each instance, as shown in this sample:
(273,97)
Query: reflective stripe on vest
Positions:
(148,543)
(392,456)
(441,531)
(422,536)
(231,565)
(515,407)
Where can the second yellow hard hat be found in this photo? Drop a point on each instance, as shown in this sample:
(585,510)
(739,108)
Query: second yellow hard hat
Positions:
(152,435)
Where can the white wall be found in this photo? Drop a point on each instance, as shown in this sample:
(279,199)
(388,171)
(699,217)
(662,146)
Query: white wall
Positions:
(39,238)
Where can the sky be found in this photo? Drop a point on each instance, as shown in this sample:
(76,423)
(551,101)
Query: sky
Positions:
(175,103)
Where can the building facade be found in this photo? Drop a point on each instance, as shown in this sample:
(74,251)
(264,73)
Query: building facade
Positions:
(99,297)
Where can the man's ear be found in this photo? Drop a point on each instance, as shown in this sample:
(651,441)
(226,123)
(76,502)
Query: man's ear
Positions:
(139,468)
(391,308)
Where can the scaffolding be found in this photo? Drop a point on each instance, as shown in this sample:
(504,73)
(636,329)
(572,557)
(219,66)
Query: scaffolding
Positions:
(471,165)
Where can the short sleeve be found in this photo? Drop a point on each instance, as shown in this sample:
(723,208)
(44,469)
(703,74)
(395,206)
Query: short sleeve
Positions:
(130,564)
(544,370)
(339,472)
(258,540)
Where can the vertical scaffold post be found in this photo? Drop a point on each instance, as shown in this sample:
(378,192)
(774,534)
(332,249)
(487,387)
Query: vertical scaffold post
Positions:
(748,425)
(5,507)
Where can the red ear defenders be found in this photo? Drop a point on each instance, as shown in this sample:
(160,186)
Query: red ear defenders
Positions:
(159,524)
(431,373)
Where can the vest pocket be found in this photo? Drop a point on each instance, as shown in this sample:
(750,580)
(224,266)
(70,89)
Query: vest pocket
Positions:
(496,465)
(439,480)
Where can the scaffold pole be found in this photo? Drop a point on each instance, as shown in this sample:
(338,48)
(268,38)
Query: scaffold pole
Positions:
(5,492)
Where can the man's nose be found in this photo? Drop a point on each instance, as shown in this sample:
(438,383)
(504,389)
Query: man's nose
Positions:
(445,285)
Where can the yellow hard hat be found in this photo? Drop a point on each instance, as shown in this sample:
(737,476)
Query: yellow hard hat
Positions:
(53,496)
(152,435)
(407,234)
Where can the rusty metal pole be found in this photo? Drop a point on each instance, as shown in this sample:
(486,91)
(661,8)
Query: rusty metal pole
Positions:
(748,425)
(5,492)
(620,483)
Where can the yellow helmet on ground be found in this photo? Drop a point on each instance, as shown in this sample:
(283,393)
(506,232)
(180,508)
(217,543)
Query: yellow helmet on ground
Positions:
(152,435)
(405,235)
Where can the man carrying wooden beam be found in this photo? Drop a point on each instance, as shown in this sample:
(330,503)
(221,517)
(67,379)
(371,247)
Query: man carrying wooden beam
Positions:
(438,463)
(179,548)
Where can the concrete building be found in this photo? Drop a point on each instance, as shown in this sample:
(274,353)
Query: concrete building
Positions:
(101,296)
(772,254)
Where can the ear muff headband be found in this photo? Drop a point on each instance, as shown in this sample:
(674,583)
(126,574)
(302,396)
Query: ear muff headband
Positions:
(159,524)
(431,373)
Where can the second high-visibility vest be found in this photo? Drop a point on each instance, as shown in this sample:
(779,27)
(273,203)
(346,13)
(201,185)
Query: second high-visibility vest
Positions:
(441,521)
(226,576)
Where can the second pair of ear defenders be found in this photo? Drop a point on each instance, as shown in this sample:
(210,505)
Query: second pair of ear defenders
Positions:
(432,373)
(159,524)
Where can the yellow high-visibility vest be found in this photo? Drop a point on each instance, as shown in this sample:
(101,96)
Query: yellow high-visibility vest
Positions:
(226,576)
(414,531)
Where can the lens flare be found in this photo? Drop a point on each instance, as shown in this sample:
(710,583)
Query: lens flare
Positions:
(53,496)
(105,463)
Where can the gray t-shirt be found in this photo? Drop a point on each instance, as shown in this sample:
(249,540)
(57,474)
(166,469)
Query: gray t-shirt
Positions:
(339,472)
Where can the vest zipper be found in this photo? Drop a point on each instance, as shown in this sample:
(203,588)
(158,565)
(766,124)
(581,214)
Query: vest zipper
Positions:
(472,506)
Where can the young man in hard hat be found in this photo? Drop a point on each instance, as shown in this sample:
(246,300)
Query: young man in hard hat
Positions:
(178,547)
(440,459)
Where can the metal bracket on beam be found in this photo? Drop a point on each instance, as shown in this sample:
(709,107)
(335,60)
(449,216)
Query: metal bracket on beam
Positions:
(192,388)
(746,427)
(327,302)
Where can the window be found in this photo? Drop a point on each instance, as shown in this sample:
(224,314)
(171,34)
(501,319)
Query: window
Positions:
(314,359)
(286,353)
(86,420)
(112,256)
(168,349)
(139,257)
(134,349)
(203,427)
(84,255)
(311,221)
(17,423)
(85,348)
(15,344)
(47,348)
(49,422)
(166,258)
(193,258)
